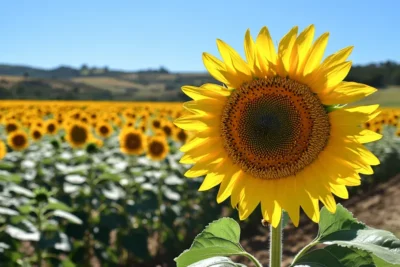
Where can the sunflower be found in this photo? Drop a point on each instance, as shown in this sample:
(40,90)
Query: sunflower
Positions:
(12,125)
(276,131)
(132,141)
(167,128)
(36,133)
(3,150)
(104,129)
(157,148)
(51,126)
(77,134)
(181,136)
(18,140)
(156,123)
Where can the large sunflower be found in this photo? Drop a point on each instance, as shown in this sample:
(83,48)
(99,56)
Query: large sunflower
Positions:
(276,132)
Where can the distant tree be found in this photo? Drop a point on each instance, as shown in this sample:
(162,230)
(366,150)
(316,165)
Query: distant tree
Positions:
(84,70)
(26,74)
(163,70)
(76,90)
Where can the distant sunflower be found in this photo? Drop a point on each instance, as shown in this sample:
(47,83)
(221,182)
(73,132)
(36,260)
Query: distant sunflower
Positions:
(77,134)
(51,126)
(275,133)
(18,140)
(157,148)
(132,141)
(11,125)
(167,128)
(181,136)
(155,124)
(104,129)
(36,133)
(3,150)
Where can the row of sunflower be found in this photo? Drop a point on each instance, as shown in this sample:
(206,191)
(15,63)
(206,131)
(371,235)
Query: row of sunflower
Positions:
(388,117)
(142,128)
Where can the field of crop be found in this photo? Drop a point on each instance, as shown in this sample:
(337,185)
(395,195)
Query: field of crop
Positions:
(100,183)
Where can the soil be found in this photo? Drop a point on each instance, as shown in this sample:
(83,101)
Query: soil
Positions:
(378,208)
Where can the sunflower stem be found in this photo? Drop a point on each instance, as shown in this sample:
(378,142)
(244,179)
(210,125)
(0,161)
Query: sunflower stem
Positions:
(275,253)
(254,260)
(303,251)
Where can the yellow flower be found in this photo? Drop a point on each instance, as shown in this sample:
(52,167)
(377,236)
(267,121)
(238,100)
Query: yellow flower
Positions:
(104,129)
(36,133)
(77,134)
(12,125)
(51,126)
(132,141)
(272,134)
(3,150)
(157,148)
(18,140)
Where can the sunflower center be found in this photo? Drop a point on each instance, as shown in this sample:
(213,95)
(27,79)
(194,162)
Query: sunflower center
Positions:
(133,141)
(19,140)
(78,134)
(156,148)
(274,127)
(37,134)
(51,128)
(104,130)
(11,127)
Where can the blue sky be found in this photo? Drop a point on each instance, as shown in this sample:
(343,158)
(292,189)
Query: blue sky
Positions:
(144,34)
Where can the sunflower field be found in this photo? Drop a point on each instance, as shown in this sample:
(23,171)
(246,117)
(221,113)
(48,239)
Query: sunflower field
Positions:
(100,183)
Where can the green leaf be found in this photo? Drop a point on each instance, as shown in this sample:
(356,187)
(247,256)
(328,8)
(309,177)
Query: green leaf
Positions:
(68,216)
(219,238)
(216,262)
(382,244)
(11,178)
(6,165)
(25,209)
(341,222)
(319,258)
(58,206)
(344,230)
(107,177)
(351,257)
(381,263)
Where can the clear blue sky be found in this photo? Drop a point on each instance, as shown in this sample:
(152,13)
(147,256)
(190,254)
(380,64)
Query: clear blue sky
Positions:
(142,34)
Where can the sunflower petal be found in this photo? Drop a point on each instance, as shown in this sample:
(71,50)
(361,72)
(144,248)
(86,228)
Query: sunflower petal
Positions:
(316,53)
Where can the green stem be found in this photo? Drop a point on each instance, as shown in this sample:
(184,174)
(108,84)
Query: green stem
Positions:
(254,260)
(275,253)
(303,251)
(39,251)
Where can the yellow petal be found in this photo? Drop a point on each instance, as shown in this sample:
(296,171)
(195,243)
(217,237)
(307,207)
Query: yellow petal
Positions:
(288,188)
(325,79)
(285,51)
(215,67)
(206,91)
(265,46)
(340,190)
(346,92)
(366,136)
(211,180)
(232,59)
(227,185)
(304,41)
(316,54)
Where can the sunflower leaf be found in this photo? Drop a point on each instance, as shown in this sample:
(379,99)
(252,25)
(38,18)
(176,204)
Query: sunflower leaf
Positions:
(216,262)
(344,230)
(219,238)
(319,258)
(341,222)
